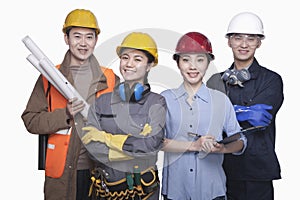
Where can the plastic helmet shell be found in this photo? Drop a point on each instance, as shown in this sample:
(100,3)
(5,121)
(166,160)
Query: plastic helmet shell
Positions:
(140,41)
(246,23)
(81,18)
(194,42)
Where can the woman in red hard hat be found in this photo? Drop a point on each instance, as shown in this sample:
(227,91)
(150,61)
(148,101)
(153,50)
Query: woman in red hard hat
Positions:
(196,119)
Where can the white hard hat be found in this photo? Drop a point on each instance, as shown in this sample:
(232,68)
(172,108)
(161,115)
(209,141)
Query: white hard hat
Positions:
(247,23)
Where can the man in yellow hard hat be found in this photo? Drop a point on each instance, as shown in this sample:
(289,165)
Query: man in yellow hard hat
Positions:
(49,113)
(125,127)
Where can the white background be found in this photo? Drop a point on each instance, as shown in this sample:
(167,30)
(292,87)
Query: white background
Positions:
(43,20)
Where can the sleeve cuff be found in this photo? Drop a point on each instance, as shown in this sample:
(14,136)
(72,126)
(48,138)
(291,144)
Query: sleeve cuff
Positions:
(244,139)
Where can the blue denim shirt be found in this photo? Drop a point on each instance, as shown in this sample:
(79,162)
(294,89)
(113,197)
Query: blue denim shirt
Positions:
(186,176)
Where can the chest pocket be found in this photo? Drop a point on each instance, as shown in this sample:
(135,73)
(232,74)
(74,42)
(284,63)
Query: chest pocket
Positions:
(121,121)
(107,122)
(242,96)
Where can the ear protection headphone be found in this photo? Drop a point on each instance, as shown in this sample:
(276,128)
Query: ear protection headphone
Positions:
(134,93)
(236,77)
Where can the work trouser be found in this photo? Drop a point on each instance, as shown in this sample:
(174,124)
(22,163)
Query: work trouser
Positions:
(249,190)
(83,184)
(217,198)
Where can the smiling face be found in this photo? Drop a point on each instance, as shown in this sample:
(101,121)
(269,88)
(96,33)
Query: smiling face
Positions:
(243,47)
(82,42)
(134,65)
(193,68)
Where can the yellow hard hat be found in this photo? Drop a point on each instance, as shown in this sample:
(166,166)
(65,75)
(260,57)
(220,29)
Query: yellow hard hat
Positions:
(81,18)
(141,41)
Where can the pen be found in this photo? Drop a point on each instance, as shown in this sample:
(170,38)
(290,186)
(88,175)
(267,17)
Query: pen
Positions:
(194,134)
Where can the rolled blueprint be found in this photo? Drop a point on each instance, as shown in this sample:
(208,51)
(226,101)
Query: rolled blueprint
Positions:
(40,61)
(33,60)
(52,74)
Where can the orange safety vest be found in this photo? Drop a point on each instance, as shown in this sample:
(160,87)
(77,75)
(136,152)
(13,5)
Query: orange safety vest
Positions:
(57,146)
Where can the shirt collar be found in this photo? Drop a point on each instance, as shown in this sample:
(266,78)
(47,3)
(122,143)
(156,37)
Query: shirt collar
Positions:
(202,92)
(254,69)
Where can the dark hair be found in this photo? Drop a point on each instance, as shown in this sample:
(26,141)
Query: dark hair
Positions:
(149,56)
(177,56)
(231,34)
(69,29)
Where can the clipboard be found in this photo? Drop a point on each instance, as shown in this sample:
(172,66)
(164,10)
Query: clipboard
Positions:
(237,136)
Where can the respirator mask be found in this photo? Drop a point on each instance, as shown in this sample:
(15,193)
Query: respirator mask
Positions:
(236,77)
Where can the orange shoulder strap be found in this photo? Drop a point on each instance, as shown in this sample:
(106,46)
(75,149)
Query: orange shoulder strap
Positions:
(110,80)
(57,146)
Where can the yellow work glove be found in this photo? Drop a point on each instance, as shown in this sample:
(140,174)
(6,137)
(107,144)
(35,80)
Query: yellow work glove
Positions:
(112,141)
(93,134)
(115,155)
(146,130)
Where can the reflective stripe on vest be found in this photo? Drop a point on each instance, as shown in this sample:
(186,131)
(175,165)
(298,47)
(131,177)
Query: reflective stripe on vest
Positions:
(58,144)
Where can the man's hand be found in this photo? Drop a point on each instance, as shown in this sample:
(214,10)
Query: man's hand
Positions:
(74,106)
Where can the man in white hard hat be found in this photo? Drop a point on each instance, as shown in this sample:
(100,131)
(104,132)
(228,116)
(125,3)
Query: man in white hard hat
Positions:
(257,95)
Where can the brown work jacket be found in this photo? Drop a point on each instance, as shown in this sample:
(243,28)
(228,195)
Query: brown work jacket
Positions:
(38,120)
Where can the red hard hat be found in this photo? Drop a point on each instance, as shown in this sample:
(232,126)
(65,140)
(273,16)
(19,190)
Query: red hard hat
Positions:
(193,42)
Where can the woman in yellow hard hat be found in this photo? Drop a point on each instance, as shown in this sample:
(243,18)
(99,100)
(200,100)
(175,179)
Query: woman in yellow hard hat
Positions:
(125,128)
(67,165)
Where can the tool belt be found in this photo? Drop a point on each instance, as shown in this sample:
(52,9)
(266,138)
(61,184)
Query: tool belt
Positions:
(135,185)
